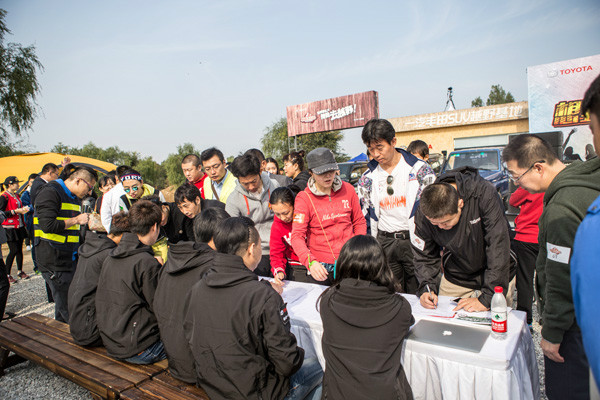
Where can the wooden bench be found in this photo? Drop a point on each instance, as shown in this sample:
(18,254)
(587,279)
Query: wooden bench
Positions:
(48,343)
(164,387)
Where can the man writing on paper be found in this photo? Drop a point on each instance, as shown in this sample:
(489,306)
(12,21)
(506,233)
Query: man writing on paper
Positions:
(461,217)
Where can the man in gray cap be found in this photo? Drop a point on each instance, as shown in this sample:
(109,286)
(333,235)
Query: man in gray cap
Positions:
(327,213)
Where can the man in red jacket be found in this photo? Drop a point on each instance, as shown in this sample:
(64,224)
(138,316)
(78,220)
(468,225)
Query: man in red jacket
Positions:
(192,169)
(525,244)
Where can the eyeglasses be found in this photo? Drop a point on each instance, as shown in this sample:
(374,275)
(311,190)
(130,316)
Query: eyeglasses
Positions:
(389,181)
(213,167)
(89,185)
(516,179)
(133,188)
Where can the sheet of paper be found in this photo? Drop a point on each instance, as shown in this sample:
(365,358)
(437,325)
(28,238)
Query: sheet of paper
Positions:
(444,308)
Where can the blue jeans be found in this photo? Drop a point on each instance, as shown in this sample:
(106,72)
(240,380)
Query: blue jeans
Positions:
(152,354)
(306,383)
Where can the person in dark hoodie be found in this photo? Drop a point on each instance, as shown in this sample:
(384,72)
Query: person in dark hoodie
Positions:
(126,288)
(243,348)
(569,191)
(186,264)
(364,325)
(293,166)
(462,214)
(82,292)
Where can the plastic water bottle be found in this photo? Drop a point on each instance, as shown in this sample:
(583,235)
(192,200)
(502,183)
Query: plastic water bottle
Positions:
(499,315)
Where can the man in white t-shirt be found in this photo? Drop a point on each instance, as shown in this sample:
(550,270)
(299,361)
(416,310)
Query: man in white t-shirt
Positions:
(389,193)
(111,199)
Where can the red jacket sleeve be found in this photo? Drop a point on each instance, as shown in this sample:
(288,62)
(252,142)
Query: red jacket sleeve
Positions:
(302,215)
(277,249)
(518,197)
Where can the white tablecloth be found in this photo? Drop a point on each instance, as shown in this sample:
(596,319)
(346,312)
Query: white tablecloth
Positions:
(502,370)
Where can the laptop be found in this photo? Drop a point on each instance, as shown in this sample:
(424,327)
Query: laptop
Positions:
(460,337)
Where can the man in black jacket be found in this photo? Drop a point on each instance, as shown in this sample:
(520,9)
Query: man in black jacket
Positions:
(238,328)
(82,293)
(126,288)
(461,214)
(186,264)
(57,221)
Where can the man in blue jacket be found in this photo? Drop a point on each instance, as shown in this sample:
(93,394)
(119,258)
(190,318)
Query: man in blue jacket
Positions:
(585,264)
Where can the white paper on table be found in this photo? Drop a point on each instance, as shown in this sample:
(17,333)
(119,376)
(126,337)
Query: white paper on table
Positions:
(444,308)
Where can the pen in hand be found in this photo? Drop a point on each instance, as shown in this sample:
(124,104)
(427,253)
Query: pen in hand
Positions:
(430,298)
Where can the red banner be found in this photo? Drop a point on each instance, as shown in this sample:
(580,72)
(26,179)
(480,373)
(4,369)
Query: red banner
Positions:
(333,114)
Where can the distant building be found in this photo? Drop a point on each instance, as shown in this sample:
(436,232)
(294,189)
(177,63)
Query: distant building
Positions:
(471,127)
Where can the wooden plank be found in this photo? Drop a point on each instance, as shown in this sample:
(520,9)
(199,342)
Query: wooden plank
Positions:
(137,394)
(106,364)
(93,379)
(167,392)
(167,379)
(61,330)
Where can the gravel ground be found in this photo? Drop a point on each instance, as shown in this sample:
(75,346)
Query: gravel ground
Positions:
(30,381)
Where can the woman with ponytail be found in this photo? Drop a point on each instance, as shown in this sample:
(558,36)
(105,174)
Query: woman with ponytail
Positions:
(14,225)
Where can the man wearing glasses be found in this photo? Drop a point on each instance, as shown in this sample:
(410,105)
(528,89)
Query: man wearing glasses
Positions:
(221,182)
(569,191)
(389,192)
(57,222)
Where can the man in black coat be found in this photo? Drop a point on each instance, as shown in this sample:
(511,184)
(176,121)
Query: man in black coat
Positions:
(461,214)
(126,288)
(238,328)
(82,292)
(186,264)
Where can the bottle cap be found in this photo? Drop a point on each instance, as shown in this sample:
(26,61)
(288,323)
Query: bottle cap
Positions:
(498,289)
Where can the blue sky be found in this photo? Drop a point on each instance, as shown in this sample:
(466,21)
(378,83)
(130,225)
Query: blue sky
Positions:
(149,75)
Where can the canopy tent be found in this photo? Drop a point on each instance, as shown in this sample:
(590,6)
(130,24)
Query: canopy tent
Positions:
(23,165)
(360,157)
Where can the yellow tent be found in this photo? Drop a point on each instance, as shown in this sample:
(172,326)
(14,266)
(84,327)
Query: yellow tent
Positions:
(23,165)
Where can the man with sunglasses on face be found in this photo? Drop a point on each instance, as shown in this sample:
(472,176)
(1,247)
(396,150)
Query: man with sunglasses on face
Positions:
(135,188)
(389,192)
(569,191)
(57,221)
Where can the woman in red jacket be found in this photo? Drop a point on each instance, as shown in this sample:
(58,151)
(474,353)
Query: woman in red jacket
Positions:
(14,225)
(284,262)
(326,214)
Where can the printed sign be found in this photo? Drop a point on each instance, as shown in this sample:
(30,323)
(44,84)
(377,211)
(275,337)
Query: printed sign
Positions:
(555,94)
(332,114)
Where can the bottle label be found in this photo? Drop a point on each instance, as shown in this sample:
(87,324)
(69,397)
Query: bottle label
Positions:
(499,322)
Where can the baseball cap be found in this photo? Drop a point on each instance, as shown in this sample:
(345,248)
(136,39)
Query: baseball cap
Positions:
(10,180)
(321,160)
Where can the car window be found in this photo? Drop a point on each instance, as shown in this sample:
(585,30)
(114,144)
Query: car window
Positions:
(485,160)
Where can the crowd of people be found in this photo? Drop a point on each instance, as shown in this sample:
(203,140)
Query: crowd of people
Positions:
(151,279)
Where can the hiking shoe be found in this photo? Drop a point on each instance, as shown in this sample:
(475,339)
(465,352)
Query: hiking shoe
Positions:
(11,279)
(23,275)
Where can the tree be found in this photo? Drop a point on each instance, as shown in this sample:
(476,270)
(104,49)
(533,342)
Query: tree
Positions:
(275,142)
(477,102)
(172,164)
(18,85)
(497,96)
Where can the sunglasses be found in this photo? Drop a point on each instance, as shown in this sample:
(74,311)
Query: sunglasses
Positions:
(133,188)
(389,181)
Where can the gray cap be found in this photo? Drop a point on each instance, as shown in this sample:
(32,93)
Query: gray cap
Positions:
(321,160)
